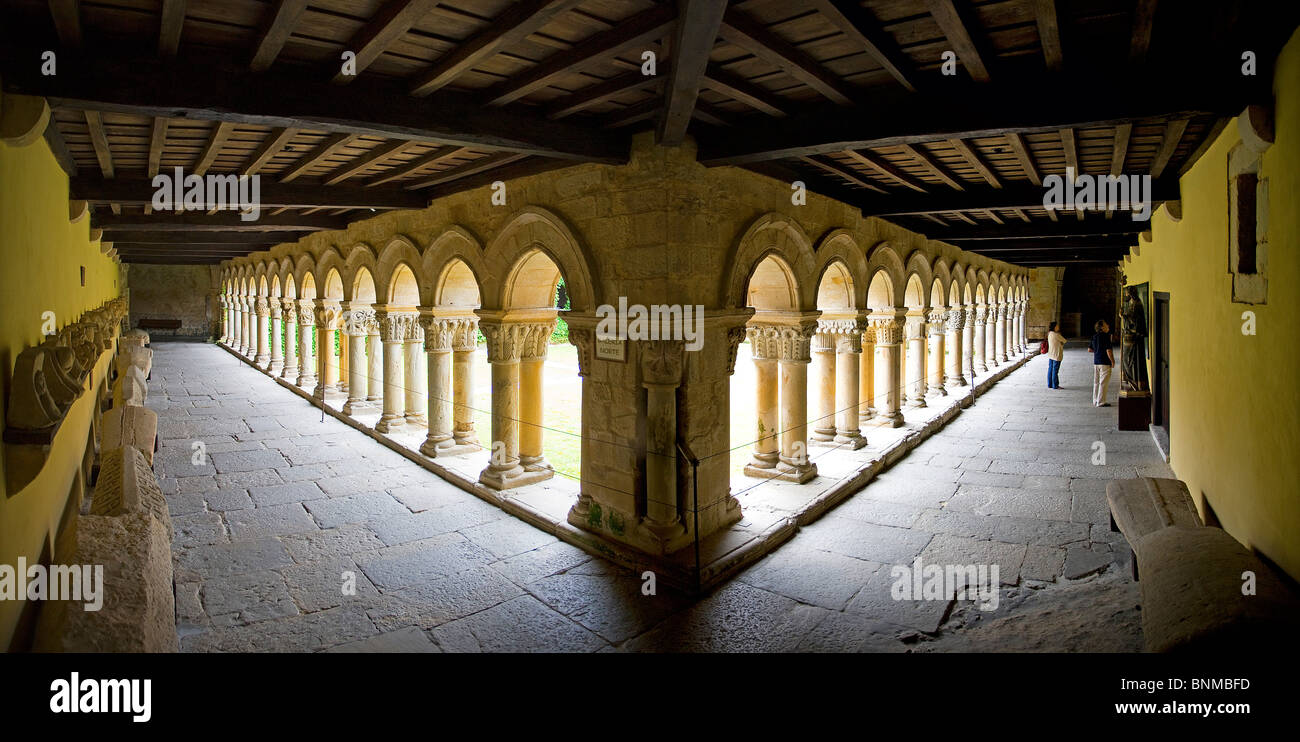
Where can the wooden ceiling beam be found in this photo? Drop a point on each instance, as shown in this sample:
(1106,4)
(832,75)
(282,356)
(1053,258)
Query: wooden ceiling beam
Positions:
(1071,150)
(1013,196)
(171,23)
(1049,33)
(694,34)
(212,149)
(734,86)
(1173,135)
(1042,231)
(472,167)
(1119,149)
(370,159)
(416,165)
(282,22)
(600,92)
(67,22)
(750,35)
(975,161)
(141,237)
(291,99)
(856,23)
(935,168)
(228,221)
(638,30)
(1024,157)
(274,143)
(886,169)
(1144,15)
(139,192)
(514,25)
(955,29)
(393,20)
(317,155)
(839,171)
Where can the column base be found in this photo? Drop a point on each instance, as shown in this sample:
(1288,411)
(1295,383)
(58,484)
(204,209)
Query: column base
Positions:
(306,382)
(275,368)
(936,390)
(954,381)
(443,449)
(535,463)
(866,415)
(915,403)
(668,537)
(466,438)
(389,423)
(263,360)
(515,476)
(353,406)
(417,420)
(375,399)
(888,420)
(799,474)
(852,440)
(822,437)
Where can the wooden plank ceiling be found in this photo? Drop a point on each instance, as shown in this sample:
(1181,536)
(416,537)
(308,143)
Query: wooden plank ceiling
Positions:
(848,96)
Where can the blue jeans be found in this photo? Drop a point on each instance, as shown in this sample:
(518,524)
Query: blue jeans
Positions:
(1053,374)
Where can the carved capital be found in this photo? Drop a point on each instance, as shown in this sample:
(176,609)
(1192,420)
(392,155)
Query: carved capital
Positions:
(465,336)
(823,342)
(438,334)
(306,313)
(888,331)
(358,321)
(735,336)
(394,327)
(661,362)
(536,339)
(585,341)
(783,342)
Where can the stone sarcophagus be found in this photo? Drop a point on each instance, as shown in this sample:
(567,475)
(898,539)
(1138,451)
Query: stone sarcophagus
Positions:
(139,357)
(131,388)
(130,427)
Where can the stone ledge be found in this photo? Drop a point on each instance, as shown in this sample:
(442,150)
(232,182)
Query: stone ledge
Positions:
(723,554)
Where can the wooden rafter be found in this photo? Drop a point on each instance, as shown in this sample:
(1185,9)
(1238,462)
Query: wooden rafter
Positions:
(370,159)
(955,29)
(718,79)
(169,31)
(1144,16)
(210,152)
(857,24)
(416,165)
(393,19)
(59,148)
(1049,34)
(140,191)
(694,35)
(228,221)
(1012,197)
(935,168)
(1023,156)
(144,237)
(1119,150)
(635,31)
(1174,131)
(886,169)
(839,171)
(274,143)
(750,35)
(283,20)
(975,162)
(321,152)
(95,127)
(67,21)
(1071,149)
(1040,231)
(599,93)
(473,167)
(515,24)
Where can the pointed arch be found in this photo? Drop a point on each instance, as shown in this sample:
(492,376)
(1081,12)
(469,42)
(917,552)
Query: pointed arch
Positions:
(839,248)
(770,234)
(883,258)
(536,229)
(453,254)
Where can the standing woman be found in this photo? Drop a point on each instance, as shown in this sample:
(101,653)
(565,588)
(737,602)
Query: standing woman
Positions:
(1055,354)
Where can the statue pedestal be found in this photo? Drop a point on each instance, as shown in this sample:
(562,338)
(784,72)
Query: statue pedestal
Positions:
(1134,410)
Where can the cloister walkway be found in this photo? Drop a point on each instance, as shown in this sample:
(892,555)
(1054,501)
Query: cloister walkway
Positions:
(280,513)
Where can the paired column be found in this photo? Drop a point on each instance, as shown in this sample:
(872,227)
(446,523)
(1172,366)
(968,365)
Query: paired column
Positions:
(532,357)
(375,359)
(935,354)
(1024,325)
(306,331)
(289,316)
(889,390)
(915,331)
(415,373)
(225,319)
(241,324)
(954,326)
(969,341)
(867,375)
(848,362)
(393,331)
(1001,338)
(823,384)
(277,339)
(507,343)
(981,339)
(791,347)
(356,330)
(661,374)
(327,322)
(438,335)
(764,458)
(463,344)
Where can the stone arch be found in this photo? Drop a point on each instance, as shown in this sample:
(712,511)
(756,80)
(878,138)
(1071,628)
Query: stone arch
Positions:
(304,272)
(883,258)
(881,294)
(916,295)
(536,230)
(359,257)
(275,286)
(402,288)
(918,264)
(362,286)
(400,253)
(839,247)
(453,254)
(330,269)
(770,235)
(836,288)
(773,286)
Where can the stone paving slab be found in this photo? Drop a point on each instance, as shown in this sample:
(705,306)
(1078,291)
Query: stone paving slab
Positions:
(277,517)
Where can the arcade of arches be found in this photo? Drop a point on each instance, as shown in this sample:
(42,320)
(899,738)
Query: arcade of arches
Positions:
(850,322)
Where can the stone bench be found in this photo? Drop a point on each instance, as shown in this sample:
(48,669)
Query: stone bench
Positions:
(136,427)
(1192,593)
(129,533)
(159,324)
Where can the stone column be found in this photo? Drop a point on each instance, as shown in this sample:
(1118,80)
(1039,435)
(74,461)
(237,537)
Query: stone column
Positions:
(241,325)
(326,349)
(356,329)
(375,362)
(289,315)
(765,353)
(823,384)
(392,328)
(532,358)
(505,341)
(225,318)
(915,330)
(415,372)
(306,329)
(277,339)
(796,355)
(954,326)
(968,340)
(981,361)
(867,374)
(262,310)
(438,335)
(991,337)
(229,339)
(661,374)
(848,356)
(935,354)
(1002,338)
(464,343)
(1023,316)
(889,390)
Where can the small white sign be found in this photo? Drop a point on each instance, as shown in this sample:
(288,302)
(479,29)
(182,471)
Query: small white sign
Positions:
(611,349)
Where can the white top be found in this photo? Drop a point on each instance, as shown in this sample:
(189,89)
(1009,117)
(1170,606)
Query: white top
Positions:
(1055,345)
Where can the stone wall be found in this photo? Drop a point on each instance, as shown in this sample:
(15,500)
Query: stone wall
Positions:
(1044,300)
(174,292)
(1092,293)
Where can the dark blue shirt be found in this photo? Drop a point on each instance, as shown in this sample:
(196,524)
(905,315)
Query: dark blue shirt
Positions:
(1099,345)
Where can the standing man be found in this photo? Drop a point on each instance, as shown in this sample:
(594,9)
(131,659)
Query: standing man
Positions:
(1103,360)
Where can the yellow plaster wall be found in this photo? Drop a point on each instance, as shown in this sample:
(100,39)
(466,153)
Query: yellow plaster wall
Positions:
(41,254)
(1234,399)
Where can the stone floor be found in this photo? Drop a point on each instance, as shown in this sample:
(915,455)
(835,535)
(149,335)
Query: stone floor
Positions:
(297,533)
